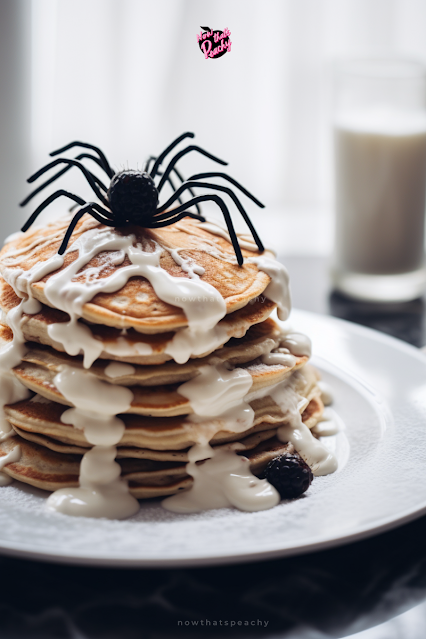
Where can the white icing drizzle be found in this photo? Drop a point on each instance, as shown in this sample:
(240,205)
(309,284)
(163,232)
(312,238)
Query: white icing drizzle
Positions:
(298,344)
(224,479)
(278,289)
(196,340)
(220,392)
(87,392)
(316,455)
(326,393)
(188,265)
(326,428)
(118,369)
(75,338)
(188,343)
(245,240)
(31,306)
(291,345)
(11,354)
(21,280)
(11,390)
(330,423)
(99,429)
(277,355)
(122,347)
(102,492)
(12,456)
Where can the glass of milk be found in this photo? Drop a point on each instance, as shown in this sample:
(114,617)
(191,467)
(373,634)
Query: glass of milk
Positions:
(380,172)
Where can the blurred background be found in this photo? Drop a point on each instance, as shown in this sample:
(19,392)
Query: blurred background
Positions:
(128,76)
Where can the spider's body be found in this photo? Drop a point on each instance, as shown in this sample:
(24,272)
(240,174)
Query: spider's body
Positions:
(132,196)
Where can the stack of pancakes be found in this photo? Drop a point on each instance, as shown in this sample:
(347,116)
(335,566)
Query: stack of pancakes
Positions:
(134,327)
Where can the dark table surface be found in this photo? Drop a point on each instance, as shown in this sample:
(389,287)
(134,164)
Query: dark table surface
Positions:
(333,593)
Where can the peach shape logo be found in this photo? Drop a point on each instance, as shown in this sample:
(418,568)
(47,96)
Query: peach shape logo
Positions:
(214,44)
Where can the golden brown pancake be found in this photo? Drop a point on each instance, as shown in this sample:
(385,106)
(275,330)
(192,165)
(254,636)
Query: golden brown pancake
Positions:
(256,341)
(310,417)
(48,470)
(136,305)
(152,433)
(156,401)
(247,443)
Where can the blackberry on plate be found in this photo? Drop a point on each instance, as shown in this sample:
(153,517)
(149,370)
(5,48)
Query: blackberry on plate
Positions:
(289,474)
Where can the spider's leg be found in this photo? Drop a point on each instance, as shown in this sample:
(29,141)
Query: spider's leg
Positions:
(182,180)
(169,179)
(48,201)
(224,189)
(60,173)
(107,215)
(89,156)
(178,175)
(104,162)
(82,168)
(200,176)
(98,181)
(243,190)
(169,214)
(177,157)
(166,151)
(173,219)
(42,186)
(87,208)
(221,204)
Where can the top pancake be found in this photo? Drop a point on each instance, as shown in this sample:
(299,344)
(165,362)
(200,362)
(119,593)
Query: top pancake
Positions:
(136,304)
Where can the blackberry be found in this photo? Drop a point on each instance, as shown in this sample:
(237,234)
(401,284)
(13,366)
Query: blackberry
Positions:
(133,197)
(289,474)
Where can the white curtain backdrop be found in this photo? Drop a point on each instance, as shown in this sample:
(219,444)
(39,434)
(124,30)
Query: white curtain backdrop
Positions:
(128,76)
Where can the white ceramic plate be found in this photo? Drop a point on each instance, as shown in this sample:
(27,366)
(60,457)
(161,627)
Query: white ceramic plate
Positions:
(380,393)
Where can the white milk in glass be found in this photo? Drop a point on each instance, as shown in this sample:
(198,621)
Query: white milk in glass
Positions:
(380,159)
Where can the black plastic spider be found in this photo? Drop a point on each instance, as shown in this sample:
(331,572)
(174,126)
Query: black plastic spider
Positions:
(132,196)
